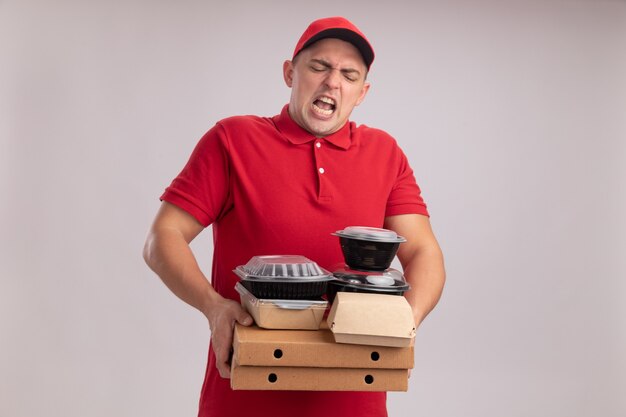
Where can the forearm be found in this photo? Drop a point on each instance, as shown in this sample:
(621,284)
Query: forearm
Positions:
(425,272)
(168,254)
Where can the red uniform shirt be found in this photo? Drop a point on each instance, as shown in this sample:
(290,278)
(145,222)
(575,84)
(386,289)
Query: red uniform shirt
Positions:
(269,187)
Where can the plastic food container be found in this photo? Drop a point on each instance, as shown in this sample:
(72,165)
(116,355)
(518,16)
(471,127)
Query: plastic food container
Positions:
(368,248)
(390,282)
(292,277)
(283,314)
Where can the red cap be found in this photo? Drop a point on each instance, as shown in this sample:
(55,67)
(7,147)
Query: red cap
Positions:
(339,28)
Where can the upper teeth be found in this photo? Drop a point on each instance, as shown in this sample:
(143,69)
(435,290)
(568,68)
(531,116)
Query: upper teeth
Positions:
(327,100)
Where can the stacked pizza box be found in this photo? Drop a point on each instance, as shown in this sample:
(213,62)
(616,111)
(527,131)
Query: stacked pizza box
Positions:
(366,344)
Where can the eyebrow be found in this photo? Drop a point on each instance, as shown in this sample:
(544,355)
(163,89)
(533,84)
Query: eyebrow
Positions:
(327,64)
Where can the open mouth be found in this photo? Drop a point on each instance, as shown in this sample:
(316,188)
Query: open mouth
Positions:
(324,106)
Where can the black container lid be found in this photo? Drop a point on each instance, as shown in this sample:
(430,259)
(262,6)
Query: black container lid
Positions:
(390,279)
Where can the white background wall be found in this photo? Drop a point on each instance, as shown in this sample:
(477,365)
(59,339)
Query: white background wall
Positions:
(512,114)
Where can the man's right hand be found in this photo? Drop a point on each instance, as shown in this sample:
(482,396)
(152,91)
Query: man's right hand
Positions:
(222,316)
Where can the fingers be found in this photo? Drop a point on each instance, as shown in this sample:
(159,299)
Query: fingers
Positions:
(224,369)
(222,322)
(244,318)
(222,344)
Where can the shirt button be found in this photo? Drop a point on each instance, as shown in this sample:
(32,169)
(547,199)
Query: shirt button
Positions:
(321,170)
(318,144)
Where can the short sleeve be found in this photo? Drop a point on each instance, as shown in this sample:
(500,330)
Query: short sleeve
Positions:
(405,196)
(203,186)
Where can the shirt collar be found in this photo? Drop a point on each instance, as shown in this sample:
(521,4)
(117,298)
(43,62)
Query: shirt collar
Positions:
(297,135)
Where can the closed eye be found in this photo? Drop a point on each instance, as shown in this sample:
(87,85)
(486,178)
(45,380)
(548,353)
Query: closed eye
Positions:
(320,65)
(351,75)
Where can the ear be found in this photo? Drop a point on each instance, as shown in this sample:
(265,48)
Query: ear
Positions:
(366,88)
(288,73)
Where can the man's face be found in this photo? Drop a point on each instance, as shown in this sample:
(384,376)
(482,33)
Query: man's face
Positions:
(327,81)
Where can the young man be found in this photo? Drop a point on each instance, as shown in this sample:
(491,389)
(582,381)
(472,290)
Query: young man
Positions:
(282,185)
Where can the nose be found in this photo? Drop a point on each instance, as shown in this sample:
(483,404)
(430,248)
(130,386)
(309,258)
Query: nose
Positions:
(333,79)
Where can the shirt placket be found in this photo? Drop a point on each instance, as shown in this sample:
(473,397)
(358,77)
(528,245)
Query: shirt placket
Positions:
(320,154)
